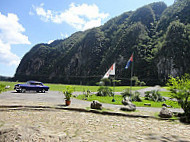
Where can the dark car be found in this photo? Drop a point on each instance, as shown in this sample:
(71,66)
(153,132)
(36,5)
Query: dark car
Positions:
(31,86)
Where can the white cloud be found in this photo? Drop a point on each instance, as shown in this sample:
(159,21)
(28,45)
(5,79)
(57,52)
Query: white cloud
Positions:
(10,33)
(49,42)
(78,16)
(92,23)
(64,35)
(6,56)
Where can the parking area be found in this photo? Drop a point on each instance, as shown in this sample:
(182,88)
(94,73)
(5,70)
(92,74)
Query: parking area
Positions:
(57,98)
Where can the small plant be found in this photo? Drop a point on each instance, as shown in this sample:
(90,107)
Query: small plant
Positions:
(116,81)
(136,97)
(126,93)
(2,87)
(154,95)
(68,92)
(142,83)
(104,91)
(137,82)
(132,96)
(86,94)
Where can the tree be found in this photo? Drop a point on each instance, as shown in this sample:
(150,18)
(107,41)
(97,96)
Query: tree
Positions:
(105,82)
(180,89)
(137,81)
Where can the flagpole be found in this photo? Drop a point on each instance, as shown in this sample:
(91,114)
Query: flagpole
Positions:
(131,77)
(113,100)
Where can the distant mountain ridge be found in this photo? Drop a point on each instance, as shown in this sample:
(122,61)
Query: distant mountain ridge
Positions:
(5,78)
(159,37)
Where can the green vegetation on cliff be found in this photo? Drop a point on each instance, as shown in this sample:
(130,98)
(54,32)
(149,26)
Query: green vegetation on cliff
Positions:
(159,37)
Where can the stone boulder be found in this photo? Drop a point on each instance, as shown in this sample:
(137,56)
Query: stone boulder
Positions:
(7,87)
(129,106)
(126,101)
(96,105)
(166,105)
(165,113)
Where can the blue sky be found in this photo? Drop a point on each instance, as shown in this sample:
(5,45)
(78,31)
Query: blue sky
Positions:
(25,23)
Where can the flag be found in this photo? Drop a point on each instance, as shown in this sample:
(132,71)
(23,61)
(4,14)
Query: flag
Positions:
(129,62)
(111,71)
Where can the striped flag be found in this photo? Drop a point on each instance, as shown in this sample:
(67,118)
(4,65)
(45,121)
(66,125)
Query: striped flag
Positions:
(129,62)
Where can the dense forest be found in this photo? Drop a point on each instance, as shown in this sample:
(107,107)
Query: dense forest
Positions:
(159,37)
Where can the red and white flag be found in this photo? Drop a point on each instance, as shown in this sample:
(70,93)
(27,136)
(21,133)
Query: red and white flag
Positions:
(111,71)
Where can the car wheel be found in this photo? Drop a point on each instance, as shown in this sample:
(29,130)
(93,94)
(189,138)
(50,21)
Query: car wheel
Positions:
(23,90)
(18,91)
(43,90)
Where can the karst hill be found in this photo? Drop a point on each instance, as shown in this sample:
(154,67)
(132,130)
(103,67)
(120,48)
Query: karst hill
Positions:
(159,37)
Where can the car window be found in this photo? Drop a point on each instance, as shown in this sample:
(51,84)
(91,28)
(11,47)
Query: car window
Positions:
(39,84)
(34,83)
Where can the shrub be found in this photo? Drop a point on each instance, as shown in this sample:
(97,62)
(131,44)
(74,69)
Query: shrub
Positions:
(132,96)
(136,97)
(180,90)
(104,82)
(2,87)
(104,91)
(154,95)
(126,93)
(137,82)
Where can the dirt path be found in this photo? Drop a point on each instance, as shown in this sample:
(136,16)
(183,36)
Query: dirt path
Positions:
(47,125)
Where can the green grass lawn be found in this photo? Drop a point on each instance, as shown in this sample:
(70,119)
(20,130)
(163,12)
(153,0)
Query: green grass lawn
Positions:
(11,84)
(77,88)
(118,99)
(166,87)
(81,88)
(165,94)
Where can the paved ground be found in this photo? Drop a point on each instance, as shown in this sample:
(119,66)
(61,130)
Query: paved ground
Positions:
(142,91)
(51,124)
(55,97)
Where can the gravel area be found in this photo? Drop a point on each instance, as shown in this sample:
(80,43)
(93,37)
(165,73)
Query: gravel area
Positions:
(47,125)
(70,126)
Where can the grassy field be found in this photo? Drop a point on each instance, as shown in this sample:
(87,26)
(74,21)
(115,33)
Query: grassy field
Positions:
(165,94)
(77,88)
(81,88)
(11,84)
(118,99)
